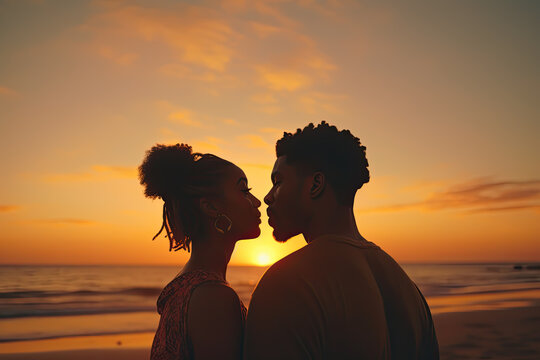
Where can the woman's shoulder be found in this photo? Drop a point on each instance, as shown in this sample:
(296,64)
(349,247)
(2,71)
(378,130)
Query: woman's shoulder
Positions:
(214,308)
(210,293)
(182,287)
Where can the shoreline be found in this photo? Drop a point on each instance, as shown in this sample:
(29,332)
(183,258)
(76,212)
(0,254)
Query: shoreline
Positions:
(507,333)
(114,342)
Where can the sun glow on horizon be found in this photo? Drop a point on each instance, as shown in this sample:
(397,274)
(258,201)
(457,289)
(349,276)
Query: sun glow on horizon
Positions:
(263,259)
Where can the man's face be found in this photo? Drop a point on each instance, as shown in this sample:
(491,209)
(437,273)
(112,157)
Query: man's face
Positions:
(285,201)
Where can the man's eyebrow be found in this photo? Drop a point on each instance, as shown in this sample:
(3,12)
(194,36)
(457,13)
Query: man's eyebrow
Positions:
(240,180)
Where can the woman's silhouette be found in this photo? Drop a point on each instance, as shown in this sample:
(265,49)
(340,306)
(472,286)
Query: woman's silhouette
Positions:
(207,209)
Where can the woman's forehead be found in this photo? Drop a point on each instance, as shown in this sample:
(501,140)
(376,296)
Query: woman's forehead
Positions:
(237,175)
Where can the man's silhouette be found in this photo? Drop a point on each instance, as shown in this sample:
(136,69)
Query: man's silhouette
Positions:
(340,296)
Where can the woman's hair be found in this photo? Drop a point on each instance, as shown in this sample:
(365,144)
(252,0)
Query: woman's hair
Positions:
(180,177)
(337,154)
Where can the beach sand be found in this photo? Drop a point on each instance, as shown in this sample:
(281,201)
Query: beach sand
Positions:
(92,354)
(486,334)
(491,334)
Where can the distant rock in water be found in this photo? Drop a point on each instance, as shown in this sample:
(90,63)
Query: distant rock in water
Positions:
(527,267)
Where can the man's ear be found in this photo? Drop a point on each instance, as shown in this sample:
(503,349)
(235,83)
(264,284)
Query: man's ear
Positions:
(208,208)
(318,184)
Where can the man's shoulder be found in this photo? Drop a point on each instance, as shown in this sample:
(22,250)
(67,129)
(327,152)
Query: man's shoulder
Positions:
(288,270)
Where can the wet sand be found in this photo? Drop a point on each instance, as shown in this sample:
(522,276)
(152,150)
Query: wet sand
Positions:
(492,334)
(485,334)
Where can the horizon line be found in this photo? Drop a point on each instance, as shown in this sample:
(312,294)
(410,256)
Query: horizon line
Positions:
(491,262)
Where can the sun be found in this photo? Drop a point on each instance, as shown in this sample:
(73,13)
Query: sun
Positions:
(263,259)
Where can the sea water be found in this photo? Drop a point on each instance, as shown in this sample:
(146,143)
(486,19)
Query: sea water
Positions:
(44,302)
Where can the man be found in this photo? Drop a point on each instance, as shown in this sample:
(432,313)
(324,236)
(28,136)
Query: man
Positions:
(340,296)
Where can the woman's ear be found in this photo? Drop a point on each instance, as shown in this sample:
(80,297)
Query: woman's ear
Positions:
(208,208)
(318,183)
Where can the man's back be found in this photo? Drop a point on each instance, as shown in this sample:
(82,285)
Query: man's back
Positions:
(337,298)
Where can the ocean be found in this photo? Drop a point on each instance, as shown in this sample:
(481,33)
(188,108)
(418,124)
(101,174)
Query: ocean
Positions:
(46,302)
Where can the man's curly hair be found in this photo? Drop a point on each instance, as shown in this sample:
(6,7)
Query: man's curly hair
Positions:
(339,155)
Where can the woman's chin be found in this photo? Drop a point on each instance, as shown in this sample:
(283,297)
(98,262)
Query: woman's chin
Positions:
(255,233)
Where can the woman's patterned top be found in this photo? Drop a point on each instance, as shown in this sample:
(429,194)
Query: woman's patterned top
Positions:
(171,340)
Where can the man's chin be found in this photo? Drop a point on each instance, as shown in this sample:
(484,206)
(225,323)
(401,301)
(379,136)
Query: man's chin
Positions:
(280,237)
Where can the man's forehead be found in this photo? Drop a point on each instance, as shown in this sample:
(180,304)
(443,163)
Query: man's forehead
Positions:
(280,162)
(280,165)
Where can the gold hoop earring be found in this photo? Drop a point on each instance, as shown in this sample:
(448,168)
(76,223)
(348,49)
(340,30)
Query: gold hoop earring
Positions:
(228,227)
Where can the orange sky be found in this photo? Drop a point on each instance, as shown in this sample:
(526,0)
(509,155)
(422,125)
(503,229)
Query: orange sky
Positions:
(443,95)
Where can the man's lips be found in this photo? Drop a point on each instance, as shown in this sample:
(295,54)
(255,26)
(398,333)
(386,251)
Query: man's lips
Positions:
(270,222)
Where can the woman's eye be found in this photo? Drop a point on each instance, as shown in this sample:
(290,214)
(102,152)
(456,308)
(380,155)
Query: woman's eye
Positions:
(247,190)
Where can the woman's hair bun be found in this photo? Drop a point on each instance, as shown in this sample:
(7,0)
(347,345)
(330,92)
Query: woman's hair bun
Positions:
(165,169)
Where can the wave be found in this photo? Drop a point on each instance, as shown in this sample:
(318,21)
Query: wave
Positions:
(62,336)
(58,311)
(438,290)
(137,291)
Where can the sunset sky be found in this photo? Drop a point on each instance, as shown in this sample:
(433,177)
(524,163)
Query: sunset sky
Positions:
(444,95)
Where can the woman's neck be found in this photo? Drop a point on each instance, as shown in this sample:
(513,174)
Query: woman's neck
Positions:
(210,255)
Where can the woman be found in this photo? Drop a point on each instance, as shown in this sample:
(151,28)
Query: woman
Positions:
(207,208)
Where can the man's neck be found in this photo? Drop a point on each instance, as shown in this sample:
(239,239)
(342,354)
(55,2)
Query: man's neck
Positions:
(340,222)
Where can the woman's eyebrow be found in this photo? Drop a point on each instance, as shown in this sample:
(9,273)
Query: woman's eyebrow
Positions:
(240,180)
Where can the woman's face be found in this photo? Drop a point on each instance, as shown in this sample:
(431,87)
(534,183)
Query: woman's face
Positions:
(240,206)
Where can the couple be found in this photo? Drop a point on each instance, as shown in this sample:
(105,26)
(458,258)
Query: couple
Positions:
(338,297)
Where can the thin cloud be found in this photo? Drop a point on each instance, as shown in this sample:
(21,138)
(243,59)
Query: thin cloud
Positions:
(277,133)
(280,79)
(254,142)
(185,72)
(120,58)
(264,30)
(194,34)
(8,208)
(321,103)
(506,208)
(5,91)
(66,221)
(95,173)
(208,144)
(116,171)
(393,208)
(477,196)
(264,99)
(483,192)
(272,10)
(257,166)
(184,117)
(181,115)
(205,45)
(230,122)
(271,110)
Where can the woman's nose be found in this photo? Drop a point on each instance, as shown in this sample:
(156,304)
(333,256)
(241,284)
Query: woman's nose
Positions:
(257,203)
(268,198)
